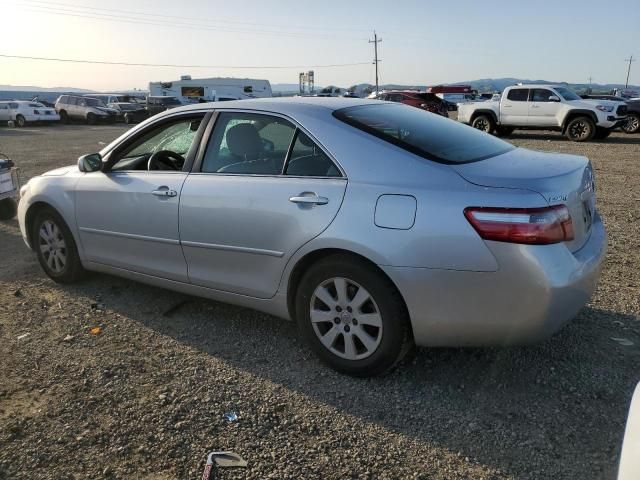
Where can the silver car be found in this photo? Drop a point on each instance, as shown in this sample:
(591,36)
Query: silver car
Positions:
(376,226)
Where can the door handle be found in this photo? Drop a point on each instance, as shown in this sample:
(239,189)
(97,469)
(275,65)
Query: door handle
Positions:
(310,199)
(164,192)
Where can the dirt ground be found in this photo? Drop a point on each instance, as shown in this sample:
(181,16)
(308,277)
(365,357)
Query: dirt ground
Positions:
(145,398)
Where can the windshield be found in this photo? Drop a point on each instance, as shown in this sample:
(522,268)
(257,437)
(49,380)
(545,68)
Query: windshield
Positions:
(36,105)
(567,93)
(170,101)
(423,133)
(94,102)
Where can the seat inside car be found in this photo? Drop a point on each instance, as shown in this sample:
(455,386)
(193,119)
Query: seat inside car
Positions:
(247,150)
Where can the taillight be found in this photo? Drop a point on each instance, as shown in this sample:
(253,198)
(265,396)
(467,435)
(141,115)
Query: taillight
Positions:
(533,226)
(36,112)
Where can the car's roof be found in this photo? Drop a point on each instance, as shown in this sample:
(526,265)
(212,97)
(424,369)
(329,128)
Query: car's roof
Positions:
(284,104)
(537,85)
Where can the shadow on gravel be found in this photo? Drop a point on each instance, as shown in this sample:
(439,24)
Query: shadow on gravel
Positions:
(557,408)
(557,137)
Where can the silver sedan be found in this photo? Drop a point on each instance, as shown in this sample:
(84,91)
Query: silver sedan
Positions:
(375,226)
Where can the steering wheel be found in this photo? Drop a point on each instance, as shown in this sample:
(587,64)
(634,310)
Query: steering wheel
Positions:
(165,160)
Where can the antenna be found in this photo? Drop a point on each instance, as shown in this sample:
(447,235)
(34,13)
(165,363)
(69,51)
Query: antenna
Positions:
(630,59)
(375,42)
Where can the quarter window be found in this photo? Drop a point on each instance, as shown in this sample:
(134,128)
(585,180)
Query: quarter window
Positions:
(308,160)
(248,143)
(518,94)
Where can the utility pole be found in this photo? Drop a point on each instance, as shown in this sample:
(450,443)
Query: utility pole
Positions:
(375,42)
(630,59)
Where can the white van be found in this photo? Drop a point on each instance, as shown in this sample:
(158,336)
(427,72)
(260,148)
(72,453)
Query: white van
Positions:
(22,112)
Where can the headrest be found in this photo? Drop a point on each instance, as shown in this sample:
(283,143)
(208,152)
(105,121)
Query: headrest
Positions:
(243,140)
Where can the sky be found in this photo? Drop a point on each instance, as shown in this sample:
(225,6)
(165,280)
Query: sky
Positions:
(423,42)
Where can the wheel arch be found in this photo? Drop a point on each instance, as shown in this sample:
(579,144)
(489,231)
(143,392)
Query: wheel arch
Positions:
(571,114)
(488,112)
(32,212)
(314,256)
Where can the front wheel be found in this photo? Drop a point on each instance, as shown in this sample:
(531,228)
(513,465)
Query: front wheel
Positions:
(580,129)
(21,121)
(484,123)
(353,317)
(55,247)
(632,125)
(8,208)
(91,118)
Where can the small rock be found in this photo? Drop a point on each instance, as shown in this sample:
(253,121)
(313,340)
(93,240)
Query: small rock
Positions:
(68,338)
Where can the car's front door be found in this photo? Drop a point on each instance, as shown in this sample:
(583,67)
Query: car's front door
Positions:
(544,112)
(264,188)
(514,108)
(128,215)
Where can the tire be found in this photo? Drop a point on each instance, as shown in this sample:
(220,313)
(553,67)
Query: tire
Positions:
(8,208)
(504,131)
(632,125)
(63,264)
(64,118)
(21,121)
(601,133)
(580,129)
(354,347)
(484,123)
(91,118)
(128,120)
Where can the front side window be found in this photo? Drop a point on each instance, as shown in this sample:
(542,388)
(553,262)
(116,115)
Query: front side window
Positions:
(171,141)
(518,94)
(14,106)
(308,160)
(248,143)
(4,106)
(540,95)
(430,136)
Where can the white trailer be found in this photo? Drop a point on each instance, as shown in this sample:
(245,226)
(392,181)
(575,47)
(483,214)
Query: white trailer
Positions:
(189,90)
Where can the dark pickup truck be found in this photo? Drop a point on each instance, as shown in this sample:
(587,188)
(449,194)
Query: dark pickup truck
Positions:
(633,111)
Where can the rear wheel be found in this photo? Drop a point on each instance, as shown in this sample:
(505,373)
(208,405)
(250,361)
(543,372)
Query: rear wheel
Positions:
(8,208)
(632,125)
(601,133)
(21,121)
(353,317)
(91,118)
(55,247)
(484,123)
(580,129)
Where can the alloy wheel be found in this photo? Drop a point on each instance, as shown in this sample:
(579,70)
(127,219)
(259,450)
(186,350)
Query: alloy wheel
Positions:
(482,125)
(346,318)
(579,130)
(633,123)
(52,246)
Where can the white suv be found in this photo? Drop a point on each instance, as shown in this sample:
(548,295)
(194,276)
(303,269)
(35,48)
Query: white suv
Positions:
(22,112)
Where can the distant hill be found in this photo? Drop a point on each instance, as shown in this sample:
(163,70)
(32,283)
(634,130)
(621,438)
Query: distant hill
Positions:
(29,88)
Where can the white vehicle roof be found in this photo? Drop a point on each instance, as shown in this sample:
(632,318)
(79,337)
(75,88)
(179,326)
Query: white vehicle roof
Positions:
(538,85)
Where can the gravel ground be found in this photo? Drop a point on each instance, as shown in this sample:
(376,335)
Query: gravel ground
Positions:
(145,397)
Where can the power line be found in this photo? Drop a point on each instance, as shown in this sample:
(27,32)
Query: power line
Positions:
(218,20)
(254,67)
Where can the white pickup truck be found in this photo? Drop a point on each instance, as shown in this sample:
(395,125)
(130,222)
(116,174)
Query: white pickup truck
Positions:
(545,107)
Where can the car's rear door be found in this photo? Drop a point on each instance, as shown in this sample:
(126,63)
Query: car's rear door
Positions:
(128,216)
(514,107)
(261,190)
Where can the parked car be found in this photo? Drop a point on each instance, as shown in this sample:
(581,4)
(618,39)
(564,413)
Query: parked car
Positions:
(129,112)
(9,188)
(157,105)
(442,235)
(426,101)
(86,109)
(22,112)
(632,125)
(545,107)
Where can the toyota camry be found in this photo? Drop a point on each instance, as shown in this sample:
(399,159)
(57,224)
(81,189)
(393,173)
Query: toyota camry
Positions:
(375,226)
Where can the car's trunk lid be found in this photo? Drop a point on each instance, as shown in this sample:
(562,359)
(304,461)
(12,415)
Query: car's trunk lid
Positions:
(561,179)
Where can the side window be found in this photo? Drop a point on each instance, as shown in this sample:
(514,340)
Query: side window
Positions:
(518,94)
(4,106)
(540,95)
(174,137)
(13,106)
(308,160)
(248,143)
(82,102)
(73,100)
(64,99)
(395,97)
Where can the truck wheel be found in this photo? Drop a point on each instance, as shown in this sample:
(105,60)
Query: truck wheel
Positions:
(504,131)
(91,118)
(8,208)
(580,129)
(20,121)
(484,123)
(632,125)
(601,133)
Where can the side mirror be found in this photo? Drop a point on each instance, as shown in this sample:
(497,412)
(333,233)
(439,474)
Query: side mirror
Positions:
(90,163)
(554,98)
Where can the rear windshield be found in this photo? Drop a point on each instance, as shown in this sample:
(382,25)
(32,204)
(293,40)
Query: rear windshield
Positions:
(426,134)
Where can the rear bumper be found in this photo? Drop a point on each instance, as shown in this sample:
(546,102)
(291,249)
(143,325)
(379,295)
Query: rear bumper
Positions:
(536,291)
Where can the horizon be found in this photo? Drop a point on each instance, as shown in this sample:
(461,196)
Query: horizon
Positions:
(454,46)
